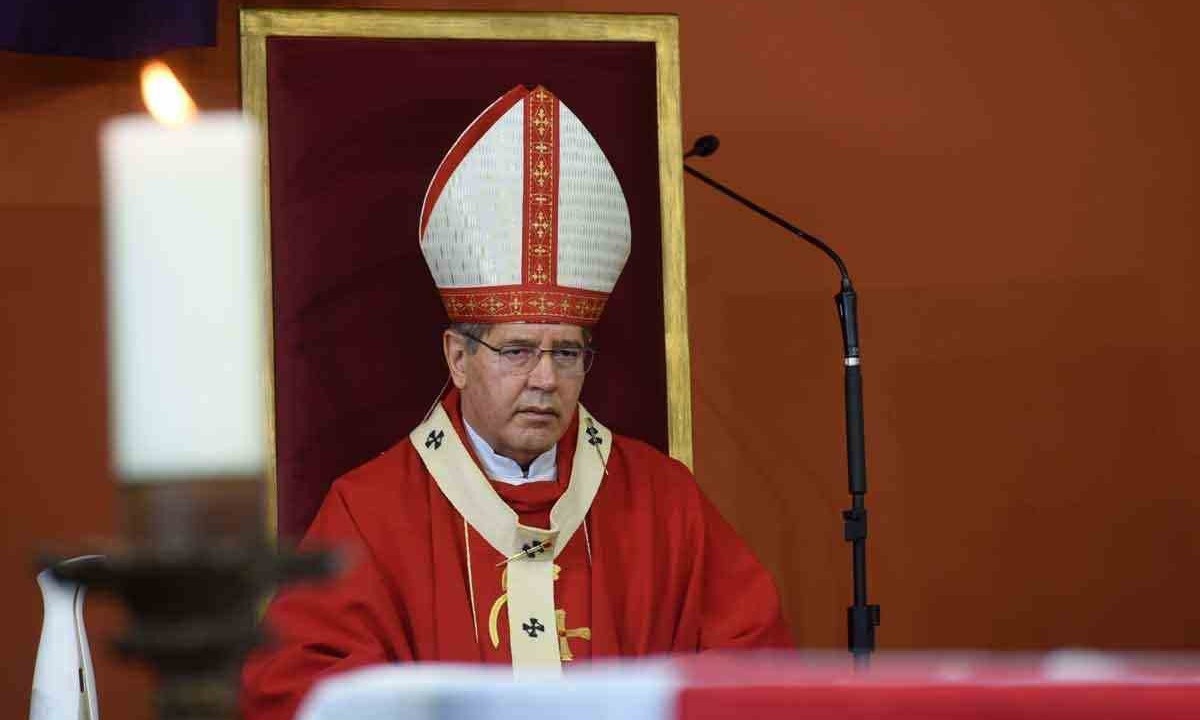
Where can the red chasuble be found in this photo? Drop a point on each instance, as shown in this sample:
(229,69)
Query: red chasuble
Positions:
(653,569)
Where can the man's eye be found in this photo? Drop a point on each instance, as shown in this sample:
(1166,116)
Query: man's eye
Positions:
(567,353)
(516,353)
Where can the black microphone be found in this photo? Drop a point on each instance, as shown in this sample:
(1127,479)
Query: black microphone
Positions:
(861,617)
(704,146)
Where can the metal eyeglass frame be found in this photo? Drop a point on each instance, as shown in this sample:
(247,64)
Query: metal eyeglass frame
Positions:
(587,356)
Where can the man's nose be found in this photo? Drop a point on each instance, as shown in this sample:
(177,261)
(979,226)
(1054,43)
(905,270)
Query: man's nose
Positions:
(544,376)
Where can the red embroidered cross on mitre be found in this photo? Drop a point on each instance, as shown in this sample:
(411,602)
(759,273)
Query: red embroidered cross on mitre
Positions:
(525,220)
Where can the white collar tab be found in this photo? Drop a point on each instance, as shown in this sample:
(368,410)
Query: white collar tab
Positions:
(506,470)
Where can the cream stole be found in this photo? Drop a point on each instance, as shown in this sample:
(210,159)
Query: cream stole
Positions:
(532,630)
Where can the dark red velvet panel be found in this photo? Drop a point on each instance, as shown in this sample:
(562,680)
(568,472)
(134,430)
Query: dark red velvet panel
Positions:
(357,128)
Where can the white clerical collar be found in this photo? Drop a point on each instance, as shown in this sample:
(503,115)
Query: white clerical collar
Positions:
(506,470)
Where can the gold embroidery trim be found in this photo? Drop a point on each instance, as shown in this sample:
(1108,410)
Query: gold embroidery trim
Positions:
(541,191)
(494,615)
(486,304)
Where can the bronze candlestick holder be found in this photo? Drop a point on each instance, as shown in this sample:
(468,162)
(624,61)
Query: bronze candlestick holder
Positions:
(193,567)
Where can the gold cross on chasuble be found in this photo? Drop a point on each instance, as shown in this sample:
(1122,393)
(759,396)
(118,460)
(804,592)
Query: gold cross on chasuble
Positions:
(564,648)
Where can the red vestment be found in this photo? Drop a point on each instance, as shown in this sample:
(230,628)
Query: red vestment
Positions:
(654,569)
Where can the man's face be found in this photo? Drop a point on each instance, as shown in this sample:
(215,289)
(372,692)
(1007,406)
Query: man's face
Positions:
(521,415)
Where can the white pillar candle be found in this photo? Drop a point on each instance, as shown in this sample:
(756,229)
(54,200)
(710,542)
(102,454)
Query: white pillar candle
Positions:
(185,297)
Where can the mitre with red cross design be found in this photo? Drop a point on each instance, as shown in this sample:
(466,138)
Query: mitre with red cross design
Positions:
(524,220)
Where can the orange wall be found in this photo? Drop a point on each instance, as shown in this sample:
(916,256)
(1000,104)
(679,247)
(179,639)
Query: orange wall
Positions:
(1012,187)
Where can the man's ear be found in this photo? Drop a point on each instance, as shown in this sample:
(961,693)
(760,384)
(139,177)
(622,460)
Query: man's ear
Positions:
(454,347)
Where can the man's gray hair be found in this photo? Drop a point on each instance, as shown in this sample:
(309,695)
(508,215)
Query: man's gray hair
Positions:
(471,331)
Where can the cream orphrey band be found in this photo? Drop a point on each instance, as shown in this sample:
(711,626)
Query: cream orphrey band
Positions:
(535,634)
(525,220)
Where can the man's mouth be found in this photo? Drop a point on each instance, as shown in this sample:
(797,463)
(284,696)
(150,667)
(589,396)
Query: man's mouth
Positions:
(538,411)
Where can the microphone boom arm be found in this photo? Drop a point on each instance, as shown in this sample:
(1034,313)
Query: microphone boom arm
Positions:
(820,244)
(861,617)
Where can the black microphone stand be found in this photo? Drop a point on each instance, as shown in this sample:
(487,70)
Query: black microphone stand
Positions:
(861,617)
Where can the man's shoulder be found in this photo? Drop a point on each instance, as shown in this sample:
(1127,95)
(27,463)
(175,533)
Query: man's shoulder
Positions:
(383,492)
(388,471)
(649,464)
(644,452)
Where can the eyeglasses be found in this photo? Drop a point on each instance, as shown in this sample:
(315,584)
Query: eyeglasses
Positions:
(522,359)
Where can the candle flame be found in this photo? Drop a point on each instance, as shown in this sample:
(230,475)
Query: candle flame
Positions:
(164,96)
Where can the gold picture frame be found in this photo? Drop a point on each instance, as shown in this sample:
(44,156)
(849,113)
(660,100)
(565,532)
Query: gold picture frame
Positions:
(259,25)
